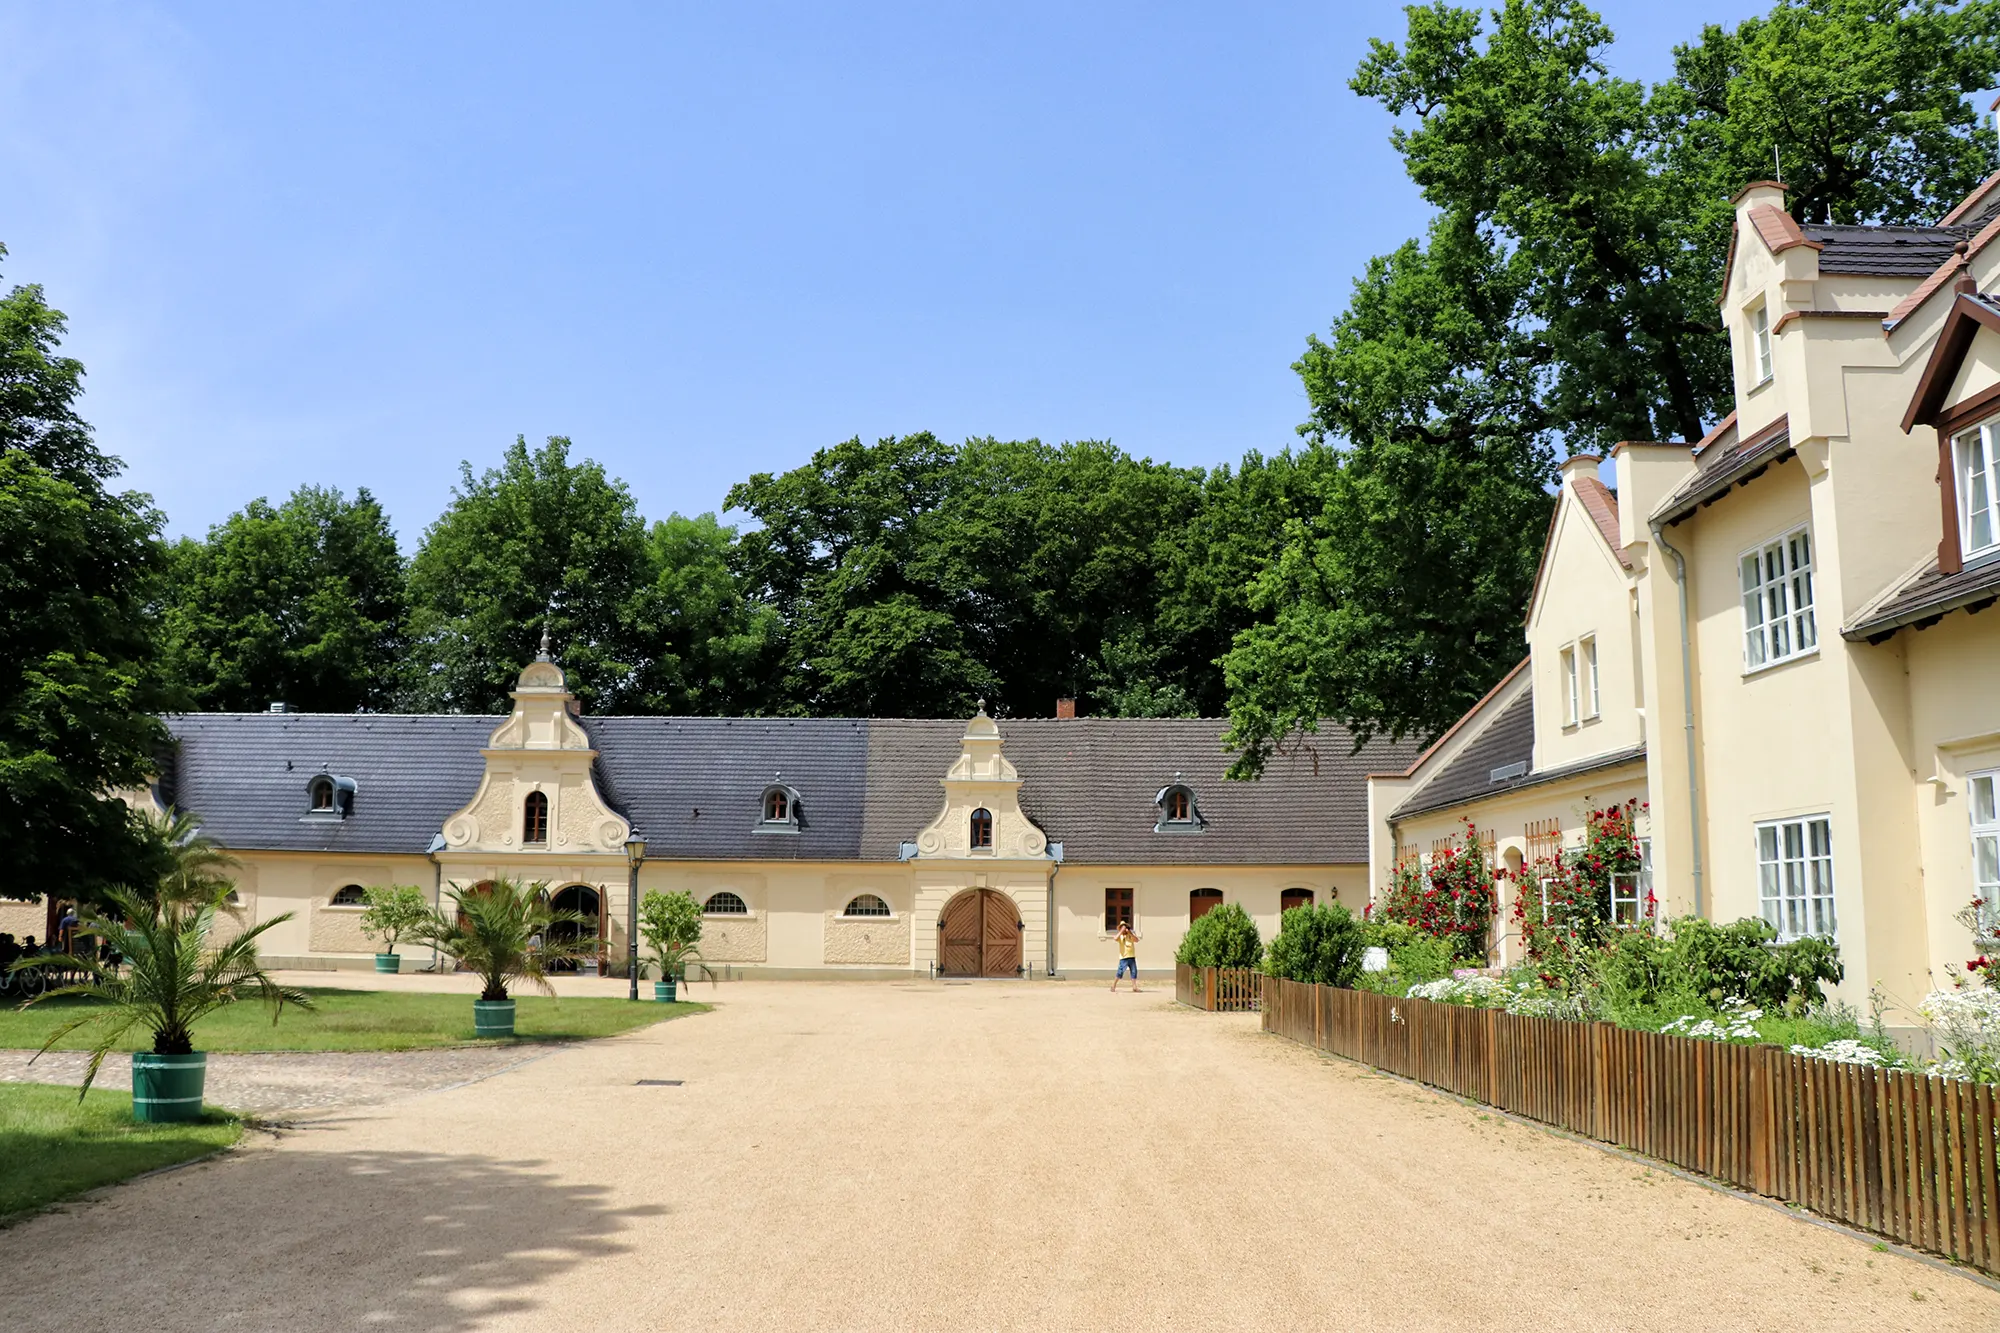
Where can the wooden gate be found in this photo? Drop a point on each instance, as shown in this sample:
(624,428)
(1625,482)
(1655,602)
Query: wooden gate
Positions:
(979,935)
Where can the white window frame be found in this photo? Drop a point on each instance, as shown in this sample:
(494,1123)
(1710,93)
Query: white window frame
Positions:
(1775,580)
(1543,884)
(1982,799)
(1795,875)
(1760,343)
(1572,703)
(1977,452)
(1587,649)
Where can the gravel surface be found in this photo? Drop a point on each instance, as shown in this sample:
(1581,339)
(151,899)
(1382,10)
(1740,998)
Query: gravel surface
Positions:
(918,1156)
(293,1083)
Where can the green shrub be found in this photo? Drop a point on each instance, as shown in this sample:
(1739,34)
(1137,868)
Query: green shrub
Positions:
(1744,959)
(1320,944)
(1225,936)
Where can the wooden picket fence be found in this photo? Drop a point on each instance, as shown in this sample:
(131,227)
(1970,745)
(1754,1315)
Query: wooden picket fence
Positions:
(1908,1157)
(1229,990)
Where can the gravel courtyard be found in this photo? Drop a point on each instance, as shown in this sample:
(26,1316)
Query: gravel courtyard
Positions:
(926,1156)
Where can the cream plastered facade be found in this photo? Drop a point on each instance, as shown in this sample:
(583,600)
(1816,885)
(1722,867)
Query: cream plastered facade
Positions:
(1876,738)
(796,919)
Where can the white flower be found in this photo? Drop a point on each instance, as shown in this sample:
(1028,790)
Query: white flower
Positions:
(1846,1051)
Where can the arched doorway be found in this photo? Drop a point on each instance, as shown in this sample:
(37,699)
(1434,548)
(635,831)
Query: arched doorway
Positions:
(979,935)
(589,904)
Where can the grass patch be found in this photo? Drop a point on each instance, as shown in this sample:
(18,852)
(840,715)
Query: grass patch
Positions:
(359,1020)
(53,1147)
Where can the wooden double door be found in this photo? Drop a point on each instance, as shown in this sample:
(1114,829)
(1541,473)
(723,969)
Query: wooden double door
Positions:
(979,935)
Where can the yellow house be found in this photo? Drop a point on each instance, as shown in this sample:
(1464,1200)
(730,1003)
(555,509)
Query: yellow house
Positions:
(833,846)
(1787,631)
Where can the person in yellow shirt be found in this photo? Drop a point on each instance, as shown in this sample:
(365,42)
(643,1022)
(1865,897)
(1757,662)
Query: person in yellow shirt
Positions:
(1128,956)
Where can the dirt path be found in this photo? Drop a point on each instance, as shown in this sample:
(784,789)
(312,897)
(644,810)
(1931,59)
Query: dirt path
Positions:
(985,1156)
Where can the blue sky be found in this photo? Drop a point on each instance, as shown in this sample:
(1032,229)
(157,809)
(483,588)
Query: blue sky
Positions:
(354,245)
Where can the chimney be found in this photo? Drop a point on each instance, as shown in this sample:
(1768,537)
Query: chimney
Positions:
(1579,465)
(1065,708)
(280,706)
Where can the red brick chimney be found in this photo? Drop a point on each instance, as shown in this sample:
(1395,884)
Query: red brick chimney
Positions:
(1065,708)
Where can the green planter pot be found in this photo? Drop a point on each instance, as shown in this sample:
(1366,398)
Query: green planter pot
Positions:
(167,1087)
(663,991)
(492,1018)
(388,962)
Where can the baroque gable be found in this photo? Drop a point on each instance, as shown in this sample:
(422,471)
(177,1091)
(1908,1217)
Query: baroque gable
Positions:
(541,748)
(982,778)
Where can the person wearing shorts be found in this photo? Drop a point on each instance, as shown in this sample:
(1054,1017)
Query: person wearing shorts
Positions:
(1128,956)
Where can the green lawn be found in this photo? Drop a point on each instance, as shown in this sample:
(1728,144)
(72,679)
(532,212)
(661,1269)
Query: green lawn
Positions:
(53,1146)
(350,1020)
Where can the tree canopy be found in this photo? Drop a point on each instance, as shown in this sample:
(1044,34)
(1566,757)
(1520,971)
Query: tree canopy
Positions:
(80,565)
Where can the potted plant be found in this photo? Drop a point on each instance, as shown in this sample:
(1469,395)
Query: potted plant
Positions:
(504,931)
(670,926)
(170,981)
(392,913)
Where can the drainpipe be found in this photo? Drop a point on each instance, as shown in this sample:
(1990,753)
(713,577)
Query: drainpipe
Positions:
(1687,706)
(1049,930)
(437,886)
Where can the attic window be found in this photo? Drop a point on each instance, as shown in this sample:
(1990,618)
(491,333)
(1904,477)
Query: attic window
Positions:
(778,810)
(1760,335)
(1976,457)
(535,820)
(1178,811)
(329,797)
(982,829)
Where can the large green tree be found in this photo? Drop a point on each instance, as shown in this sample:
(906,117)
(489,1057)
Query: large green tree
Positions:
(708,649)
(80,565)
(1562,300)
(302,603)
(538,543)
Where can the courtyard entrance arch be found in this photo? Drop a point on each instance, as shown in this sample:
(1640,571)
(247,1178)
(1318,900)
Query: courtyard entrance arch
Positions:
(588,903)
(979,935)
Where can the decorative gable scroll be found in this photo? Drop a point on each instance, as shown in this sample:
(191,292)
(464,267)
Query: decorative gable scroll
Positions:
(982,779)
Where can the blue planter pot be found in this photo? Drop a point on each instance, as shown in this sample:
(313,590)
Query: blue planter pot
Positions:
(167,1087)
(663,991)
(388,962)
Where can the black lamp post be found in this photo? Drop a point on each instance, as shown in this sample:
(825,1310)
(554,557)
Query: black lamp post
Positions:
(635,852)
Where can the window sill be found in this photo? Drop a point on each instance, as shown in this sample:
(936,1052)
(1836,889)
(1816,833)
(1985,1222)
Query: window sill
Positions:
(1764,383)
(782,830)
(1807,655)
(892,917)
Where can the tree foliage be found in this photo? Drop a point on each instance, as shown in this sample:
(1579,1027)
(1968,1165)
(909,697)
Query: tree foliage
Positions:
(79,573)
(1322,944)
(1223,936)
(301,604)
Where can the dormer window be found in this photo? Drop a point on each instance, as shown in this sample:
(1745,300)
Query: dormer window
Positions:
(1178,811)
(1760,341)
(982,829)
(329,797)
(535,820)
(1975,455)
(778,810)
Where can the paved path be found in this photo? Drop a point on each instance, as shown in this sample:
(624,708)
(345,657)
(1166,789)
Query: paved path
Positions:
(918,1156)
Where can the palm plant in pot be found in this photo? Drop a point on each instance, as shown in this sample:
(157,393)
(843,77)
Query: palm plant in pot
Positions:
(170,980)
(505,931)
(670,927)
(391,913)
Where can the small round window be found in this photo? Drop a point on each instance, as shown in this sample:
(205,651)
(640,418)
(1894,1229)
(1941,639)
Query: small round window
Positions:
(351,896)
(866,904)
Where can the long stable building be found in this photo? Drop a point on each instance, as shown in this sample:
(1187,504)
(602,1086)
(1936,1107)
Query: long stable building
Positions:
(1008,847)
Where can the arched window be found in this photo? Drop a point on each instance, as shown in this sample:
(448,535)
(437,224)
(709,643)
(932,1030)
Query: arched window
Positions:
(353,895)
(1178,811)
(866,904)
(1291,898)
(1203,901)
(777,806)
(1177,805)
(321,793)
(535,818)
(725,903)
(982,828)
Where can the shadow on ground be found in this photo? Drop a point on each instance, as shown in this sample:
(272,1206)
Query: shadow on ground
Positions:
(304,1240)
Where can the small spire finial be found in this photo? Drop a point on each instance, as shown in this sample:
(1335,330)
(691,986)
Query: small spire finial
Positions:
(543,656)
(982,706)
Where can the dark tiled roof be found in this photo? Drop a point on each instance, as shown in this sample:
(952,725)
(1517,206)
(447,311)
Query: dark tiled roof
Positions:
(244,776)
(1507,746)
(865,786)
(1884,252)
(1722,463)
(1507,741)
(1927,595)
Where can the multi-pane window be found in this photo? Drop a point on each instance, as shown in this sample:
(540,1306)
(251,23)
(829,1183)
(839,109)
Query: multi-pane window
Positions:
(1760,333)
(1978,468)
(1985,793)
(1117,908)
(1572,702)
(1632,890)
(535,818)
(1587,649)
(982,828)
(1795,875)
(1177,805)
(725,903)
(867,904)
(777,806)
(1778,601)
